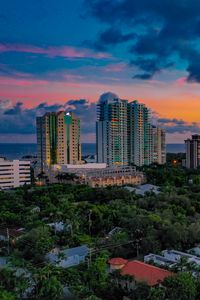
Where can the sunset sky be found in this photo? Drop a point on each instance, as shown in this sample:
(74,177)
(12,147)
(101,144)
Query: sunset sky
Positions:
(64,54)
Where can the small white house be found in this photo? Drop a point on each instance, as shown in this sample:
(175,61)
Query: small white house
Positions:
(68,257)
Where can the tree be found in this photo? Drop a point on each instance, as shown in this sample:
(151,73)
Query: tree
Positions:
(5,295)
(93,297)
(140,292)
(157,293)
(36,243)
(47,285)
(181,286)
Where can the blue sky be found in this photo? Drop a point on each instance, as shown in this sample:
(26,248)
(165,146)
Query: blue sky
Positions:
(53,52)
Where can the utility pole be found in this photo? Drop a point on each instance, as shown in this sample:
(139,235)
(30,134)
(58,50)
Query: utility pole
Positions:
(90,221)
(89,260)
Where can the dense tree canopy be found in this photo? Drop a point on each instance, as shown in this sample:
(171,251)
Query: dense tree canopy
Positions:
(146,224)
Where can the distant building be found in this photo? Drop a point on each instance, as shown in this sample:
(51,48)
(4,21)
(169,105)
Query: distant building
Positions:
(14,173)
(139,134)
(158,260)
(124,134)
(58,139)
(143,189)
(158,145)
(98,175)
(111,132)
(192,147)
(114,176)
(176,256)
(68,257)
(140,271)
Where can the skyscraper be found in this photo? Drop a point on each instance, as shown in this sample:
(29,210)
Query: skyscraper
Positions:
(192,147)
(158,145)
(125,135)
(46,140)
(58,139)
(139,134)
(111,129)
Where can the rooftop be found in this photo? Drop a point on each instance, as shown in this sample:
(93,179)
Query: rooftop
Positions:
(142,189)
(117,261)
(143,272)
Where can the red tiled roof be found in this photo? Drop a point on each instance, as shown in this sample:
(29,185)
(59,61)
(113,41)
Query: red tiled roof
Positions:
(117,261)
(144,272)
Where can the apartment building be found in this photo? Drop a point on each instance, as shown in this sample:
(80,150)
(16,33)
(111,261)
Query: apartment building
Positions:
(14,173)
(58,139)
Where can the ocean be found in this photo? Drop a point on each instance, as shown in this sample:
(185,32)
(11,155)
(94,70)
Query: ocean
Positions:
(17,151)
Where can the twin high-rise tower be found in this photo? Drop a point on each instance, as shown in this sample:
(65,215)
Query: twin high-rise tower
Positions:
(125,135)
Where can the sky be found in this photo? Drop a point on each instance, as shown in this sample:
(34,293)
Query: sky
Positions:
(62,54)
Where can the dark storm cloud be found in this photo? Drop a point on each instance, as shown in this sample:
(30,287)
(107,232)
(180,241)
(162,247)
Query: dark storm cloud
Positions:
(18,119)
(164,33)
(15,110)
(85,111)
(111,36)
(178,126)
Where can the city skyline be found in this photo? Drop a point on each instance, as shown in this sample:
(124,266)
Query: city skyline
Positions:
(65,55)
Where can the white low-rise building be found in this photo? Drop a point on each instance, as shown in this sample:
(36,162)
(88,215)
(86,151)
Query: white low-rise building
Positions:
(176,256)
(144,188)
(158,260)
(14,173)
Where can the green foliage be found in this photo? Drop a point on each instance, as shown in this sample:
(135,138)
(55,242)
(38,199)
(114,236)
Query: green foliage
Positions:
(5,295)
(36,243)
(182,286)
(149,224)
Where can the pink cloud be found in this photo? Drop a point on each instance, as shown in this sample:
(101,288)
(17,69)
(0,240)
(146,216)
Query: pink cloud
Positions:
(62,51)
(117,67)
(181,81)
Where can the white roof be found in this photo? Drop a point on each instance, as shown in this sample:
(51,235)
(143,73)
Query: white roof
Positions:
(142,189)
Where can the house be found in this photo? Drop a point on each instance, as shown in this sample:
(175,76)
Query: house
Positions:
(57,226)
(158,260)
(143,189)
(140,271)
(68,257)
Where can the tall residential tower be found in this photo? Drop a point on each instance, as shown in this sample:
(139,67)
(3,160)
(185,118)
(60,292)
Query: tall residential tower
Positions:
(192,147)
(58,139)
(125,135)
(139,134)
(159,145)
(111,132)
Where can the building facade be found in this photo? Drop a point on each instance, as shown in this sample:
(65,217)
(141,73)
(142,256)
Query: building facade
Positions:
(68,139)
(58,139)
(158,145)
(14,173)
(139,133)
(111,132)
(125,135)
(111,176)
(192,147)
